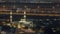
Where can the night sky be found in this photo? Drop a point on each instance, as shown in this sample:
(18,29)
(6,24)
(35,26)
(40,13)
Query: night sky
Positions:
(31,1)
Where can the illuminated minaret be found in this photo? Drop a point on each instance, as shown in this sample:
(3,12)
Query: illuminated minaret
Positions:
(24,15)
(10,16)
(24,18)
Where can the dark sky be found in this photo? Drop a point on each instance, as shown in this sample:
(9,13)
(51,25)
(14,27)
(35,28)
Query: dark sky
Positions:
(44,0)
(50,0)
(32,1)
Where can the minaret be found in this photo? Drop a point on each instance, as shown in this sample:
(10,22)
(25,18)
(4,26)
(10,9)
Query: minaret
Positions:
(25,12)
(24,15)
(10,16)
